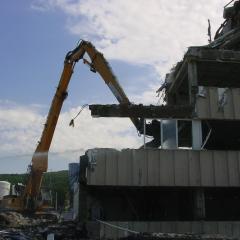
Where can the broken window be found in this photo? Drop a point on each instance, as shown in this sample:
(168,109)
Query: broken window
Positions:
(169,134)
(184,134)
(181,134)
(221,134)
(174,133)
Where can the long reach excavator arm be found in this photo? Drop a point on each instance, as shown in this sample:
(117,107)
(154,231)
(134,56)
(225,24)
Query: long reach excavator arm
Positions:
(40,157)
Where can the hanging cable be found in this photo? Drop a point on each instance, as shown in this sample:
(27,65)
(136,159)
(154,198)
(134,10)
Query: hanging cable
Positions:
(117,227)
(72,121)
(207,137)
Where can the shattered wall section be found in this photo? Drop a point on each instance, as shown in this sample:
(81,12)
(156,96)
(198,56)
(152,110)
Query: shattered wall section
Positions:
(213,106)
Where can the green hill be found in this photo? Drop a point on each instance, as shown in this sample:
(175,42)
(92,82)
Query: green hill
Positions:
(56,181)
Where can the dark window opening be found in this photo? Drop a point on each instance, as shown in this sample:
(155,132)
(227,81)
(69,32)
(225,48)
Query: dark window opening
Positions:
(150,204)
(221,134)
(184,134)
(163,204)
(222,204)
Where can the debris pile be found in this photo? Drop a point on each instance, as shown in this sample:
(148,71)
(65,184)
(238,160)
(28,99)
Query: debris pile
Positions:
(174,236)
(14,219)
(17,220)
(16,226)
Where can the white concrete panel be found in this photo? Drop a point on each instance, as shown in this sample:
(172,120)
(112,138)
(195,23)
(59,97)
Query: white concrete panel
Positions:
(158,167)
(140,226)
(225,228)
(210,227)
(236,229)
(168,227)
(167,175)
(100,170)
(111,168)
(208,108)
(125,167)
(181,164)
(207,168)
(197,227)
(153,157)
(233,168)
(154,226)
(221,168)
(183,227)
(140,169)
(194,168)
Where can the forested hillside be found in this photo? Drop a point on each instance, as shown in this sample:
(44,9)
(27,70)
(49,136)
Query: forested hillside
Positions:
(56,181)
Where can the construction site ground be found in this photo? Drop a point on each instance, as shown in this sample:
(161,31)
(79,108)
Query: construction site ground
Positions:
(16,226)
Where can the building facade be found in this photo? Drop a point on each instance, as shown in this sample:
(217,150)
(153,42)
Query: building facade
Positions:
(191,182)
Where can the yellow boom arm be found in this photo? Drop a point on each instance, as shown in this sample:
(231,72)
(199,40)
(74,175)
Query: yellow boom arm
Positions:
(40,157)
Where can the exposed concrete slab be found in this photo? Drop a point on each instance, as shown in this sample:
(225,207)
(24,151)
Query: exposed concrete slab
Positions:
(141,111)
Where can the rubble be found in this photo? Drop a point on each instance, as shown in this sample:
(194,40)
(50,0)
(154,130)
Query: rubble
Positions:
(14,219)
(174,236)
(16,226)
(13,234)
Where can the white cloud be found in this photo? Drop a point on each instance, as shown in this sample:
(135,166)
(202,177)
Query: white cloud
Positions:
(154,32)
(21,127)
(142,32)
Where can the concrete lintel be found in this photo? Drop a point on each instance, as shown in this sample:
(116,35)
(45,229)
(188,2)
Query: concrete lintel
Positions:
(201,53)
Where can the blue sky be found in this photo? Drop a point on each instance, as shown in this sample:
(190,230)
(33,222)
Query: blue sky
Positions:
(141,39)
(30,47)
(33,47)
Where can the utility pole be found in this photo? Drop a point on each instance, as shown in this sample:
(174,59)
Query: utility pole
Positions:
(209,32)
(56,203)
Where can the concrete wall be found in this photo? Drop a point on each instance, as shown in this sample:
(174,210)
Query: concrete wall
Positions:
(157,167)
(208,108)
(230,229)
(75,200)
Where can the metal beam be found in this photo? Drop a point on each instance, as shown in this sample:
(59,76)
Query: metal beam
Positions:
(141,111)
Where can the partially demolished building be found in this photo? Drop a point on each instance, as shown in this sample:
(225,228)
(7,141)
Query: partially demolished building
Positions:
(191,183)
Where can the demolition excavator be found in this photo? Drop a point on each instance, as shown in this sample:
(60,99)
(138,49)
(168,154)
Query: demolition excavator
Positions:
(29,198)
